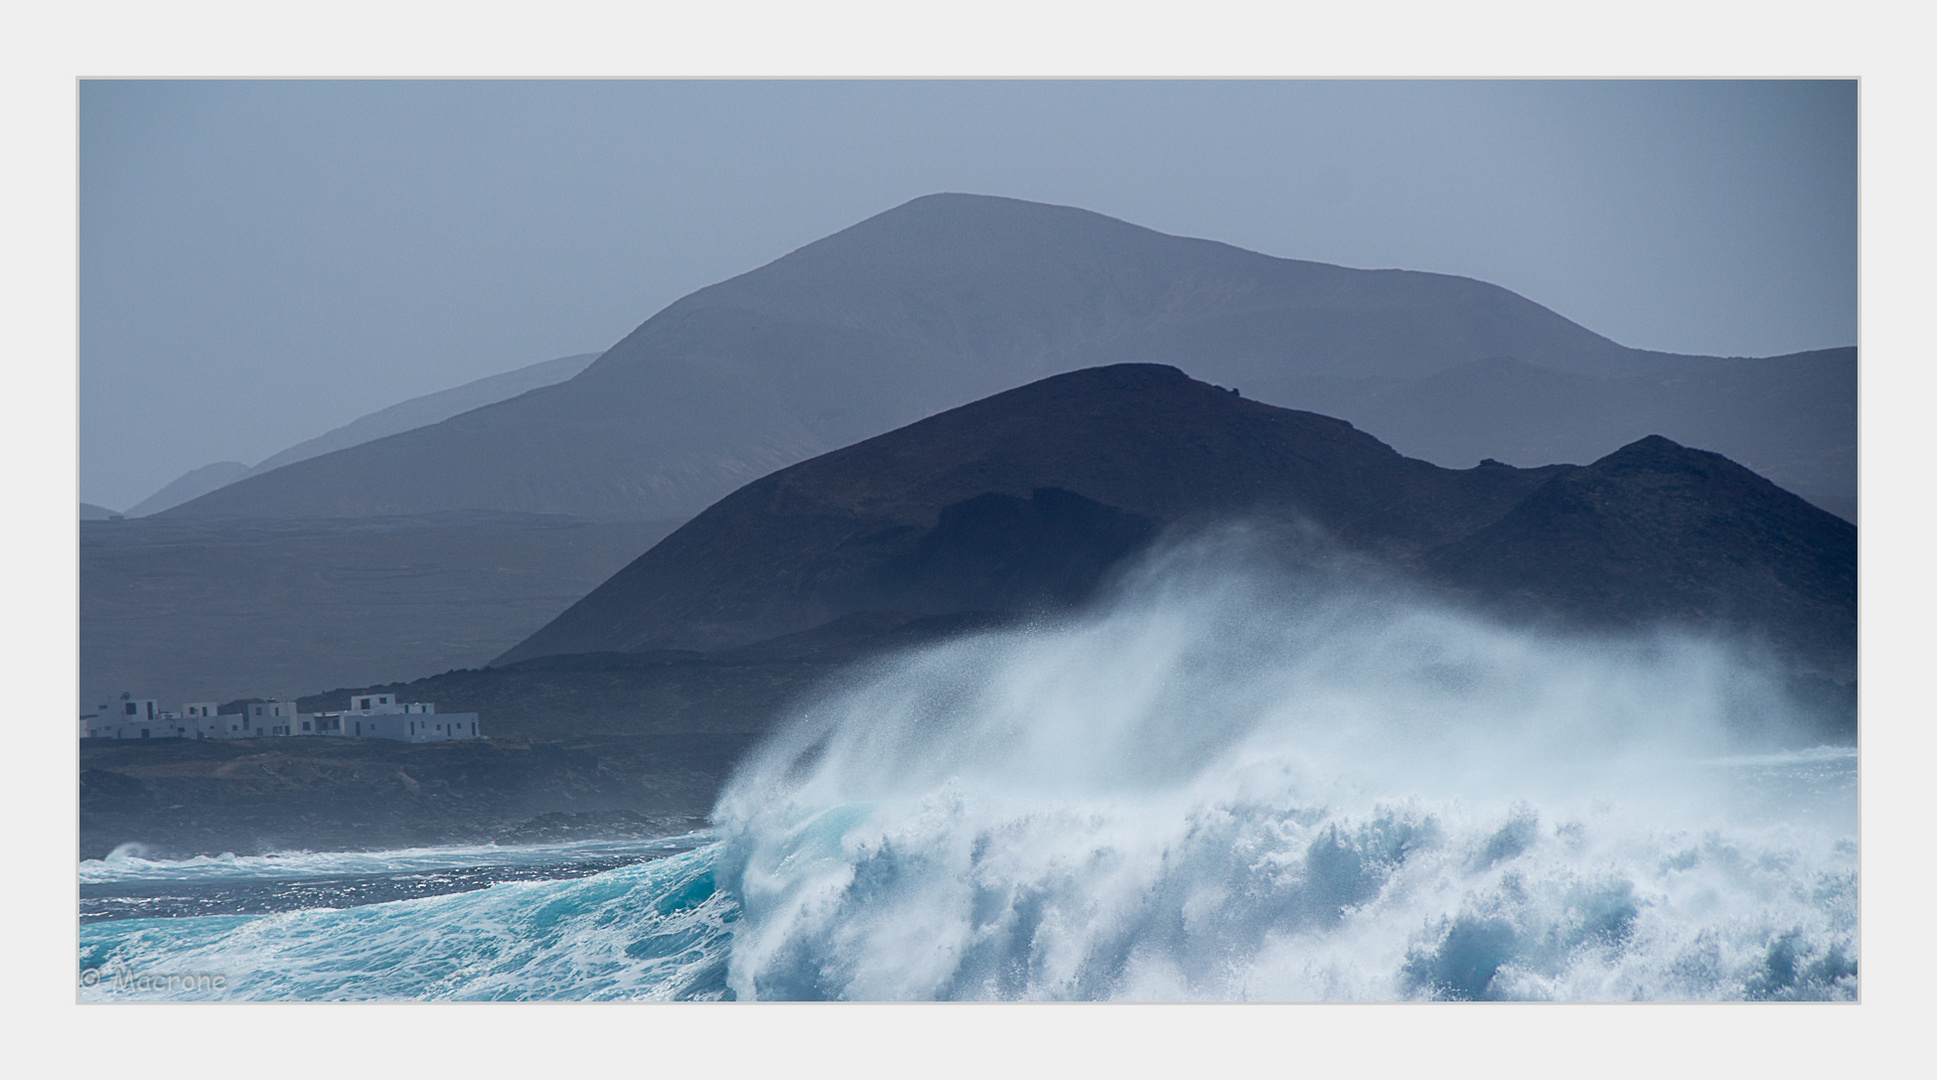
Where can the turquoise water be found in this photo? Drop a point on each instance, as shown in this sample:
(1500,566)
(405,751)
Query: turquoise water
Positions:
(655,929)
(1231,901)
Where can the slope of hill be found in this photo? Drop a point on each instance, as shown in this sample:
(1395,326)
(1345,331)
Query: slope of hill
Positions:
(1030,497)
(1659,531)
(1787,416)
(950,298)
(1083,466)
(431,408)
(192,484)
(403,416)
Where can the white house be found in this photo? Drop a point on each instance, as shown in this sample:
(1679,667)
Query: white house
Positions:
(135,718)
(266,718)
(381,716)
(132,711)
(372,716)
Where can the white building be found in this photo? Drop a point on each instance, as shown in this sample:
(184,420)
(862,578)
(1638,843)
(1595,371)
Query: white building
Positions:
(372,716)
(135,718)
(381,716)
(132,711)
(265,718)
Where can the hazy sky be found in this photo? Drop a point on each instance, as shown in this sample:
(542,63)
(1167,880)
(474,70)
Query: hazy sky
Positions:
(262,261)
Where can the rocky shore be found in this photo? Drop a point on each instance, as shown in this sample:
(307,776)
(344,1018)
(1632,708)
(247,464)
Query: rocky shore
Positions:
(178,798)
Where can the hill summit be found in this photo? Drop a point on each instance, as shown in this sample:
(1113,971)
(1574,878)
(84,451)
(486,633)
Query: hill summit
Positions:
(1030,497)
(950,298)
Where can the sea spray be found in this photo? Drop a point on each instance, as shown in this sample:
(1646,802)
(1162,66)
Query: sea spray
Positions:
(1236,783)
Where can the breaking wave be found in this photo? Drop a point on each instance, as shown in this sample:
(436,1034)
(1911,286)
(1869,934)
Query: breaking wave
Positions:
(1227,784)
(1242,784)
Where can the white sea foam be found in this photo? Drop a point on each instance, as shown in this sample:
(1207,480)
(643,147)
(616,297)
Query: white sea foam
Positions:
(131,863)
(1234,784)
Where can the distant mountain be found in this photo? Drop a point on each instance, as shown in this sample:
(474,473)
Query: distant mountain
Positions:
(190,485)
(91,512)
(403,416)
(950,298)
(431,408)
(1029,498)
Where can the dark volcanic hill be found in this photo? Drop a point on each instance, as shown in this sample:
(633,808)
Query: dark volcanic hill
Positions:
(950,298)
(1030,497)
(1662,532)
(1793,417)
(1035,492)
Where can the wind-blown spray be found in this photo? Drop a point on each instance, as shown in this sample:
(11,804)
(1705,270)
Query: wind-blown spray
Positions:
(1237,782)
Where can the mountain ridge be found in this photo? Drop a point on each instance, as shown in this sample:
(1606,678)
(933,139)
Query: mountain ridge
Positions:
(923,307)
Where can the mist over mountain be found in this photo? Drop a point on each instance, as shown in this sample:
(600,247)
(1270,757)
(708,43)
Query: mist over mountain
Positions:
(1029,499)
(950,298)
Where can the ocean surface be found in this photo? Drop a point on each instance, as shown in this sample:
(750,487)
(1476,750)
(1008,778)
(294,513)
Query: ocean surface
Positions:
(1234,902)
(1219,787)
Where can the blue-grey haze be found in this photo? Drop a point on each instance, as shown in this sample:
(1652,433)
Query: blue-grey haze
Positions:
(263,261)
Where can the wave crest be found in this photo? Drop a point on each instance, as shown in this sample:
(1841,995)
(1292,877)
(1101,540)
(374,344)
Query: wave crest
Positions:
(1233,783)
